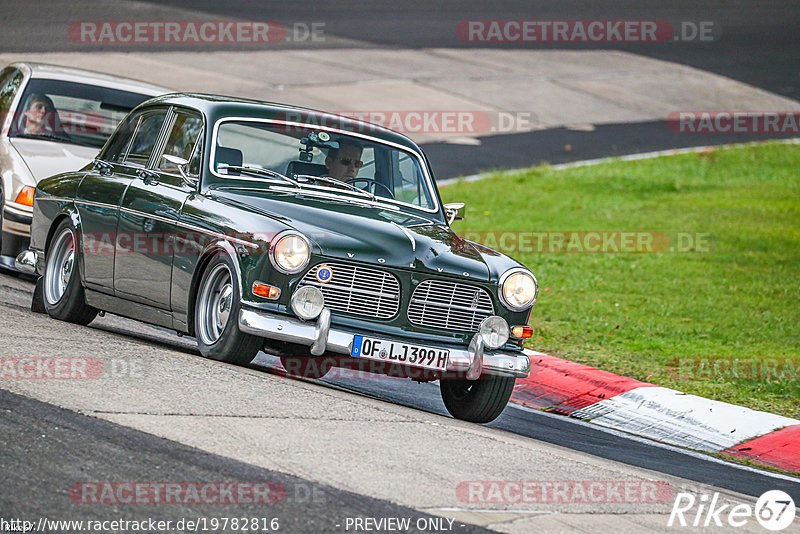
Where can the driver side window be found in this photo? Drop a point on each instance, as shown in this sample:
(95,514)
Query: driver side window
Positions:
(182,141)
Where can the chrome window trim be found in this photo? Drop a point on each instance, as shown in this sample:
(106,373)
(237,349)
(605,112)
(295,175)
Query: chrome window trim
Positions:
(420,160)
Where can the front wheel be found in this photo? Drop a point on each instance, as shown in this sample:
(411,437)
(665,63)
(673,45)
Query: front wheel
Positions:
(64,298)
(216,315)
(477,401)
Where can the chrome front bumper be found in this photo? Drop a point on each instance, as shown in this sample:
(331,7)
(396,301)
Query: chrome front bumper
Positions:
(319,334)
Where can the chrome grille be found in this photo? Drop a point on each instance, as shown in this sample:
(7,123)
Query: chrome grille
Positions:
(357,290)
(449,305)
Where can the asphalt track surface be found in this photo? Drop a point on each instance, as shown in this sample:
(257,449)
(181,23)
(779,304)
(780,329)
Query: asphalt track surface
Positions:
(755,43)
(46,448)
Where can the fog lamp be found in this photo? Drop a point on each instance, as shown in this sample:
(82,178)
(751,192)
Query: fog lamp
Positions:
(307,302)
(494,331)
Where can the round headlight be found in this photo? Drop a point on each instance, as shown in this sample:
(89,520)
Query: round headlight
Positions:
(290,253)
(518,289)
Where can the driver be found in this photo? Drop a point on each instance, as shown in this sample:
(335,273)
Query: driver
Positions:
(38,115)
(344,162)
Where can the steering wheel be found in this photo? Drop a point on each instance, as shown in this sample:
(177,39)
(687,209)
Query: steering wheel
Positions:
(372,184)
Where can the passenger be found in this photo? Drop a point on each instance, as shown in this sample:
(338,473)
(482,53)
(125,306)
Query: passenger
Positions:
(344,162)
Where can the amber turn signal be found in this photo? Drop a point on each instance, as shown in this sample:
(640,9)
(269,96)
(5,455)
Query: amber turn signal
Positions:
(521,332)
(25,196)
(265,290)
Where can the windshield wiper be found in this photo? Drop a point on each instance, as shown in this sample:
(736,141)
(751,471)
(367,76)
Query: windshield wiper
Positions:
(353,188)
(260,171)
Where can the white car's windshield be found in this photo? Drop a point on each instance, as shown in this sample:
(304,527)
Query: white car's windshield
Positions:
(71,112)
(318,159)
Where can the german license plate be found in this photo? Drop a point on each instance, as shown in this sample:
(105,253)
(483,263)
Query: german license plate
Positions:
(402,353)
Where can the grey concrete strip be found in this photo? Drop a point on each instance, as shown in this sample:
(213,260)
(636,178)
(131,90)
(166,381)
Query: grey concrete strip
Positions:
(59,465)
(351,443)
(507,91)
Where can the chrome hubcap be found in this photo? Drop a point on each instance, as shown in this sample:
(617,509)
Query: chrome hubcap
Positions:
(59,266)
(214,304)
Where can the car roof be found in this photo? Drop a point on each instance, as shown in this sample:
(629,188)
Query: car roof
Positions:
(89,77)
(217,107)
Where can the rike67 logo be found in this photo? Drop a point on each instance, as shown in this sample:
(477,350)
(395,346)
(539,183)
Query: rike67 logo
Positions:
(774,510)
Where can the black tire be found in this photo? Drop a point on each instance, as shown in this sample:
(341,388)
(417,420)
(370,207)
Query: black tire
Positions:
(64,298)
(307,367)
(216,313)
(477,401)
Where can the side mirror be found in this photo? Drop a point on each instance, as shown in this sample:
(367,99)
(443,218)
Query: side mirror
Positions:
(454,211)
(182,164)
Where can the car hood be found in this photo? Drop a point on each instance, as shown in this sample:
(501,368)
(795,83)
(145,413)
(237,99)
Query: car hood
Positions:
(372,234)
(46,158)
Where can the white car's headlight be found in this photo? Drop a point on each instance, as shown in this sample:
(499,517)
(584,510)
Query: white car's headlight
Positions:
(290,252)
(518,289)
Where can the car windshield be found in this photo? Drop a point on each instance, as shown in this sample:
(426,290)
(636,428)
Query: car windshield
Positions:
(356,167)
(71,112)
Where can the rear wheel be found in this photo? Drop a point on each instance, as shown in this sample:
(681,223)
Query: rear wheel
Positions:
(477,401)
(64,298)
(216,315)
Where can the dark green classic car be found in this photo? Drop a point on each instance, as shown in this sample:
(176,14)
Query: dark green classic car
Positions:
(317,238)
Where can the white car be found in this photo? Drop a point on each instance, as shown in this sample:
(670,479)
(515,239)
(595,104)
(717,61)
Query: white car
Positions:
(52,119)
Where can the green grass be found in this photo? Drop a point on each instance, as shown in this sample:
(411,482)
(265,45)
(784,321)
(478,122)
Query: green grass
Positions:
(644,315)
